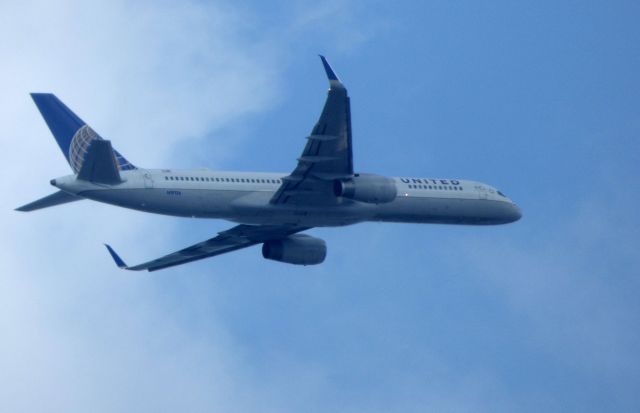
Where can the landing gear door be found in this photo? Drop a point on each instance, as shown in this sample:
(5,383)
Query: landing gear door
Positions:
(148,181)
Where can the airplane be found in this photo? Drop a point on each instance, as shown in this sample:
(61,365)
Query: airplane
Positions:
(272,209)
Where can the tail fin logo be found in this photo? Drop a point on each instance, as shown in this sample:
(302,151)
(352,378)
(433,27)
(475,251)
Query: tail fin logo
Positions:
(80,145)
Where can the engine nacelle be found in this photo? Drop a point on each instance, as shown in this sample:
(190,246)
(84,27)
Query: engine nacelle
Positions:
(297,249)
(369,188)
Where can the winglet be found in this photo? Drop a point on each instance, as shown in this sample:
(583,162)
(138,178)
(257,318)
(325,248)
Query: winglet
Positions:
(333,78)
(116,257)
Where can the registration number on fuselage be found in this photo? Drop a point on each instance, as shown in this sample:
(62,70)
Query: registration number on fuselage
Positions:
(174,193)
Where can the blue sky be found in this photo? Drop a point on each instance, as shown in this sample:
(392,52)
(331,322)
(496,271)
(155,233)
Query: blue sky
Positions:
(540,100)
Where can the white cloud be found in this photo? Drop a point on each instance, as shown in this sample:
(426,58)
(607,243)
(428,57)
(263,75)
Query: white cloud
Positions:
(78,334)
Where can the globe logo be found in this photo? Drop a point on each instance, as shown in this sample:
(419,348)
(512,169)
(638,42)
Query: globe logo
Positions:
(80,145)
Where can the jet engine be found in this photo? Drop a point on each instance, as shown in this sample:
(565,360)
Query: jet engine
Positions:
(369,188)
(297,249)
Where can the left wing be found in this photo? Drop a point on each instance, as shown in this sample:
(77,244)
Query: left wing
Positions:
(327,156)
(238,237)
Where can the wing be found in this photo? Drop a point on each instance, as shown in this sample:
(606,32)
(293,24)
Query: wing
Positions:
(327,155)
(238,237)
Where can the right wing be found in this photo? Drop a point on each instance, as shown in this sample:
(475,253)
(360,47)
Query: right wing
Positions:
(238,237)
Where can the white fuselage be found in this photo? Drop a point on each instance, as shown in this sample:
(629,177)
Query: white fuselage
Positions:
(243,197)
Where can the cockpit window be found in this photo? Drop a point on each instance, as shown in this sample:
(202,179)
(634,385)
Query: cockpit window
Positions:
(501,194)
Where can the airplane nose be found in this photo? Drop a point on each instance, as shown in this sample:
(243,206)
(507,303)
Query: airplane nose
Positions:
(516,212)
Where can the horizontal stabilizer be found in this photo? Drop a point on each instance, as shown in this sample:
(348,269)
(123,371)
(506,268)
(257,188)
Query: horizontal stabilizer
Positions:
(54,199)
(100,165)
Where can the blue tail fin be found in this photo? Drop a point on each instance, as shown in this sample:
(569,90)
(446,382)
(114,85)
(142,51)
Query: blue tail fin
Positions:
(72,133)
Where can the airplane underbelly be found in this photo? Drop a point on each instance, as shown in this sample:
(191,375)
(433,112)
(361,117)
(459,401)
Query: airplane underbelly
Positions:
(431,210)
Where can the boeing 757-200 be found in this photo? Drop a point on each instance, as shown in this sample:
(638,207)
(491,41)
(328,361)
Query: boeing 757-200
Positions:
(272,209)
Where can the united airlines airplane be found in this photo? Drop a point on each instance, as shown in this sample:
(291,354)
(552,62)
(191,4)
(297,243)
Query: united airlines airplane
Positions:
(272,209)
